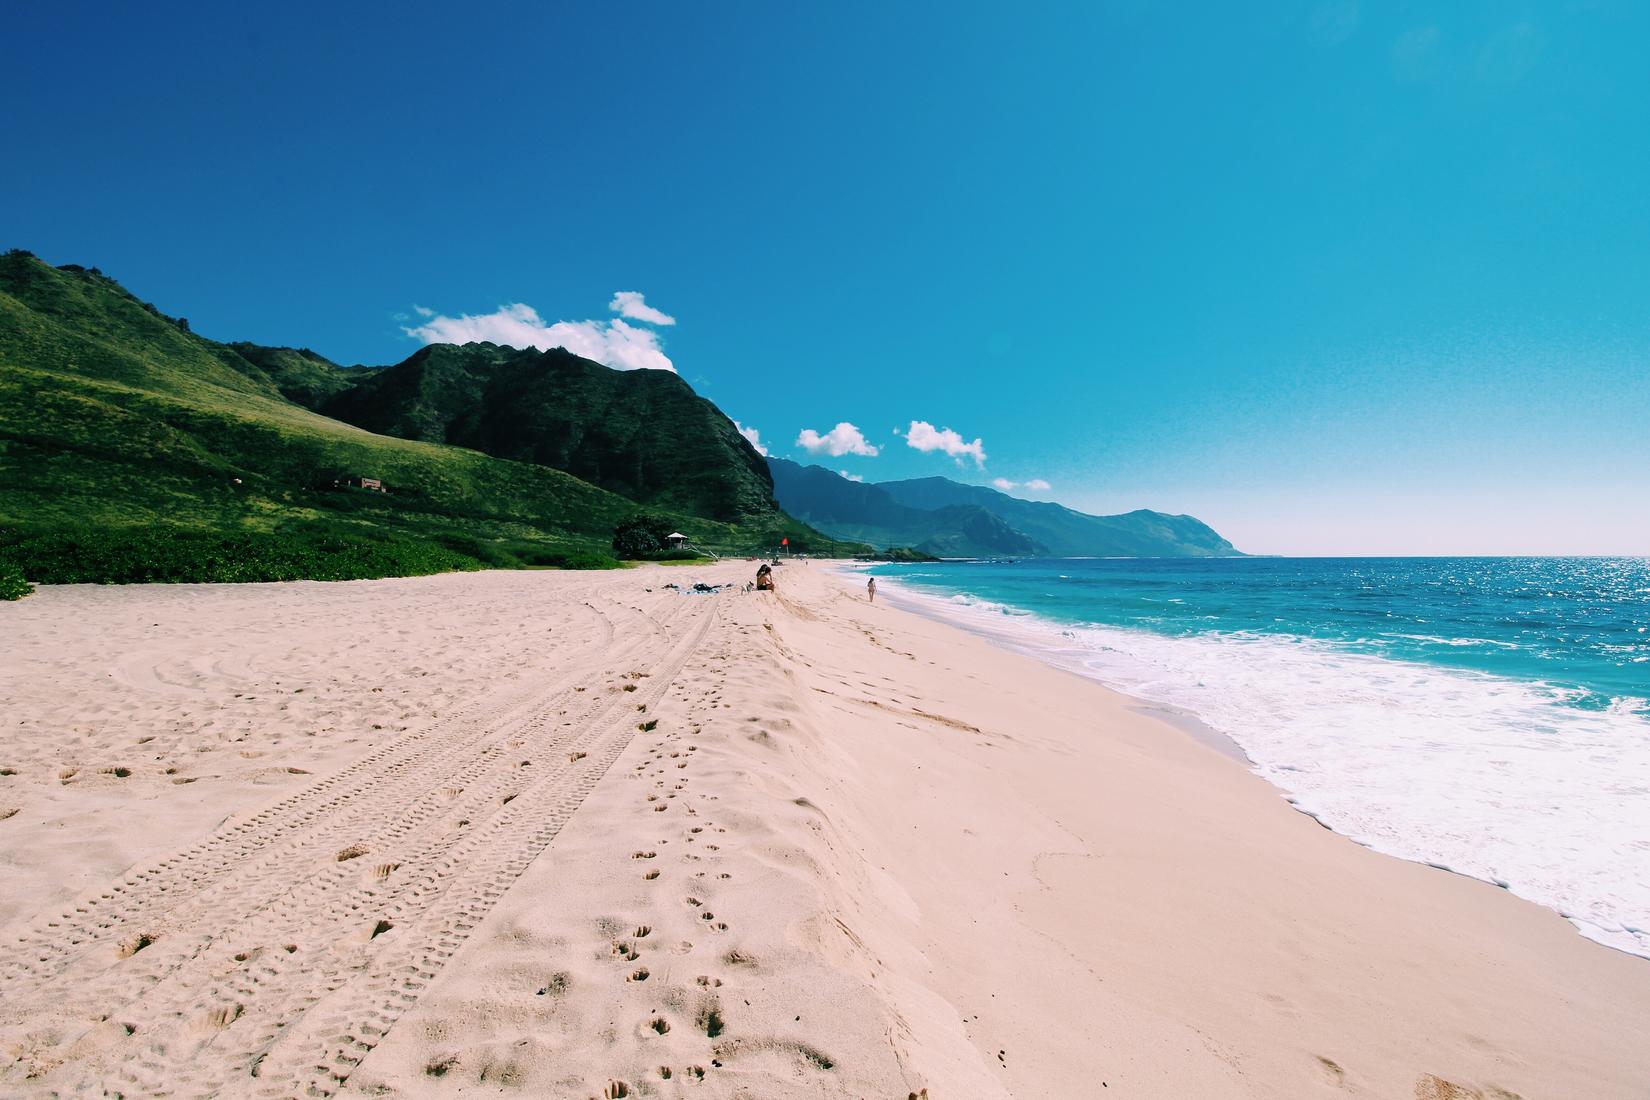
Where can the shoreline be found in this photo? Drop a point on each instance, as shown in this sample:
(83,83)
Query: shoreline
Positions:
(1013,635)
(585,831)
(1180,718)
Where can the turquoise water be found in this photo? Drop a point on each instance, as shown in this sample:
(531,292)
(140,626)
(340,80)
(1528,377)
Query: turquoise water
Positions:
(1583,623)
(1488,715)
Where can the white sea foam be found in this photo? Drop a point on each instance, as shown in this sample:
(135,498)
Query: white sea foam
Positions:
(1486,776)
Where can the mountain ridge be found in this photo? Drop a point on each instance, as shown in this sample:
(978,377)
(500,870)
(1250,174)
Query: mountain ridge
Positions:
(941,517)
(122,428)
(644,434)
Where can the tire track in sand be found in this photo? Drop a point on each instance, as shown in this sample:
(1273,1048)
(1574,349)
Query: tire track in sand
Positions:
(282,949)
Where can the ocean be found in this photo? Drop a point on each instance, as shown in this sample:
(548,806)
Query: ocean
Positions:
(1490,716)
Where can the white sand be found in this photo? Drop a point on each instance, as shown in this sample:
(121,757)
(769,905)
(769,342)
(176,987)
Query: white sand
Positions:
(357,849)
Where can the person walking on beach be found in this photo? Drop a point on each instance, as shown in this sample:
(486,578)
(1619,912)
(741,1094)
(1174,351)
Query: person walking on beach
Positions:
(871,590)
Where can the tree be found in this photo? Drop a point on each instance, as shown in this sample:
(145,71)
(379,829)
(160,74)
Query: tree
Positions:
(640,536)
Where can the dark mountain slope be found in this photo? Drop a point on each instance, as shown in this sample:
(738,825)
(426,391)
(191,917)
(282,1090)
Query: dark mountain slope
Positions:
(855,510)
(301,375)
(1068,533)
(643,434)
(949,519)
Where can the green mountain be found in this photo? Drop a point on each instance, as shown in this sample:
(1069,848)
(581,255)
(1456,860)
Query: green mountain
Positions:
(300,374)
(868,513)
(643,434)
(940,516)
(120,428)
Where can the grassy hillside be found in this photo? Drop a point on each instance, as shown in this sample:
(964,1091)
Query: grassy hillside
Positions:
(300,374)
(120,427)
(643,434)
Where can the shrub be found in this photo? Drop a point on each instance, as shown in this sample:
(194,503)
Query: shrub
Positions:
(567,559)
(487,553)
(12,584)
(130,555)
(641,536)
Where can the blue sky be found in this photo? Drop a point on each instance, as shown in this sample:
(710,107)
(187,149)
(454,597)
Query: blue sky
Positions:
(1334,277)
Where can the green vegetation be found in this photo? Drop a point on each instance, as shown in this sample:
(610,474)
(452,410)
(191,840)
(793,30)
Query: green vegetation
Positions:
(646,537)
(905,554)
(119,427)
(159,553)
(12,584)
(643,434)
(300,374)
(640,536)
(505,554)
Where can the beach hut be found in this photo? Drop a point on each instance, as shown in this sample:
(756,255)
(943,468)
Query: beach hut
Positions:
(675,540)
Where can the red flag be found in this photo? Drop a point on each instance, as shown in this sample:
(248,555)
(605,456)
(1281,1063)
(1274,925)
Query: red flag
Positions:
(786,541)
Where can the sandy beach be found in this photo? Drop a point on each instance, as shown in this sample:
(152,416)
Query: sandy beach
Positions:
(578,835)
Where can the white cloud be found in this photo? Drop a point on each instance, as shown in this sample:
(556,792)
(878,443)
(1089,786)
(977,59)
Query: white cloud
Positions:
(1035,485)
(851,477)
(629,303)
(754,436)
(925,437)
(844,439)
(618,345)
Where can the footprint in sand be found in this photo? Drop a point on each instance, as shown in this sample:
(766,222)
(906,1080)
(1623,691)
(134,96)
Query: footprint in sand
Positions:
(216,1019)
(1431,1087)
(709,1018)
